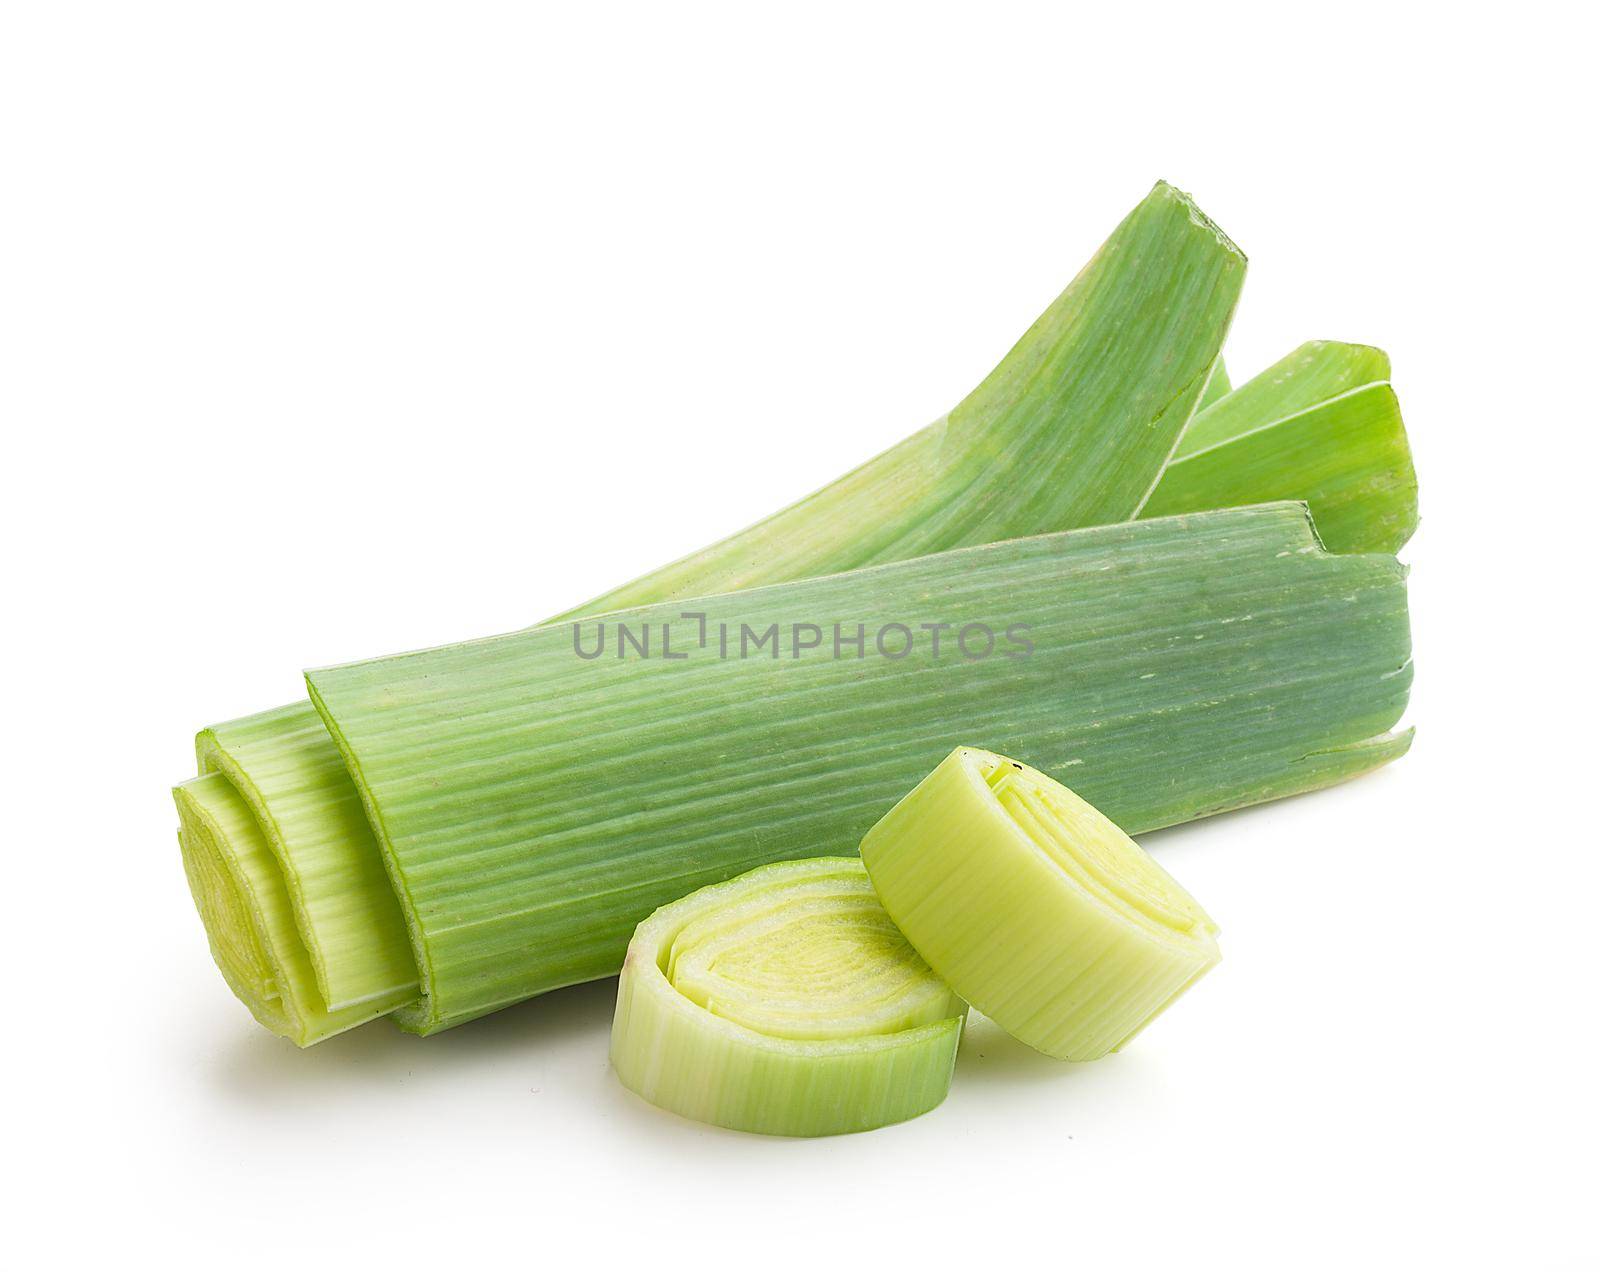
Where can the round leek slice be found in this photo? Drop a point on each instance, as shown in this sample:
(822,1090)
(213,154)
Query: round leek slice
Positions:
(784,1002)
(1035,907)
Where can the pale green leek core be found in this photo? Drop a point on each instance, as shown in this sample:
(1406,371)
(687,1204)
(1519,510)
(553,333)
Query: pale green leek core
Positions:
(784,1002)
(1177,667)
(1035,906)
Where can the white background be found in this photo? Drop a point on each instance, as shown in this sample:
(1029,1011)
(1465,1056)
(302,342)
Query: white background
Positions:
(330,330)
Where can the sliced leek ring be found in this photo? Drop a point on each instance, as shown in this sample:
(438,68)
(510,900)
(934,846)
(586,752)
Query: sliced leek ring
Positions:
(784,1002)
(1035,907)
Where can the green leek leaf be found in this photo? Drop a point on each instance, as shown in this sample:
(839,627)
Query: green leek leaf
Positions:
(1347,457)
(1313,373)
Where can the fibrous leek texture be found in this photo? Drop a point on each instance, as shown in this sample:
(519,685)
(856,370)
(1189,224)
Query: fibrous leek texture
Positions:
(1035,906)
(784,1002)
(1172,668)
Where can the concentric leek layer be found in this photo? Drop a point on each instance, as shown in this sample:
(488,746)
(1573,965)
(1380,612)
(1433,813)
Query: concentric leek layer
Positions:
(239,890)
(1035,907)
(290,775)
(784,1002)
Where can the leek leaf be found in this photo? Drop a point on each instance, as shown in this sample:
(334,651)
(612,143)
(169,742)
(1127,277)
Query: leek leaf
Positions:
(1313,373)
(1347,457)
(1072,428)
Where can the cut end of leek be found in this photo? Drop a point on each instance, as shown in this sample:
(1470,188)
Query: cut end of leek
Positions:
(784,1002)
(248,915)
(1035,907)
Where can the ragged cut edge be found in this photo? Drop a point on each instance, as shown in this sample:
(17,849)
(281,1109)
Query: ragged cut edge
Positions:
(1197,214)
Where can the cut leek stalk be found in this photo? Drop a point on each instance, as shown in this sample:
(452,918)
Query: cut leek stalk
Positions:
(784,1002)
(534,804)
(1035,906)
(239,890)
(1347,457)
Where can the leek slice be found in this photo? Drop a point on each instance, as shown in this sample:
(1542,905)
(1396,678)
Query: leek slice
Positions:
(1035,906)
(533,804)
(239,890)
(784,1002)
(1347,457)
